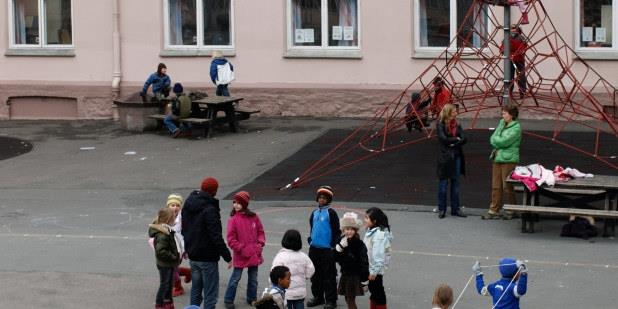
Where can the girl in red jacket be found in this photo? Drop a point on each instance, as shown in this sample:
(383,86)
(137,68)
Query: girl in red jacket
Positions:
(245,236)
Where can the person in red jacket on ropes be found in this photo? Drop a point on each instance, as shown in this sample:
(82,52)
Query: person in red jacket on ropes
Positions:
(518,57)
(441,96)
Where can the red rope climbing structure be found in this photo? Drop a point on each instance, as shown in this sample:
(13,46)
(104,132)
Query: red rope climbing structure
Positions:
(561,88)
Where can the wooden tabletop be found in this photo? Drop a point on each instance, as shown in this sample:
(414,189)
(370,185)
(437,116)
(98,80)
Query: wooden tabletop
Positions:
(218,100)
(608,182)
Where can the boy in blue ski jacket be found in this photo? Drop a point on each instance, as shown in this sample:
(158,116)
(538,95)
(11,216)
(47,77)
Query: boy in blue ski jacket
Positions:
(505,293)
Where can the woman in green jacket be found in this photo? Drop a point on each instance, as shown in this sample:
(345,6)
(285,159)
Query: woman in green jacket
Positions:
(505,142)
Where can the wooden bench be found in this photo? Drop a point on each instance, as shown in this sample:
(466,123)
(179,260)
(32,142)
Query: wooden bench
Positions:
(535,210)
(203,122)
(243,114)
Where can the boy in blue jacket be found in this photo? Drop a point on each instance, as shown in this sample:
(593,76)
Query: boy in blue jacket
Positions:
(324,223)
(221,73)
(505,293)
(160,82)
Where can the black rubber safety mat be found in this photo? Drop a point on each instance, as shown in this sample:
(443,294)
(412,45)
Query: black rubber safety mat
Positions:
(408,175)
(12,147)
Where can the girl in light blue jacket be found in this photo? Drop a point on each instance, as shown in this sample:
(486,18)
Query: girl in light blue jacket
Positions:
(378,240)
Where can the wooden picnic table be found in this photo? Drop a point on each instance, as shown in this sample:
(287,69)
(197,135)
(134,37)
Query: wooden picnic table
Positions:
(571,197)
(215,104)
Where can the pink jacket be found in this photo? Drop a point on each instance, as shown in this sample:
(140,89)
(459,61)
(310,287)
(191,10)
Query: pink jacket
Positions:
(245,236)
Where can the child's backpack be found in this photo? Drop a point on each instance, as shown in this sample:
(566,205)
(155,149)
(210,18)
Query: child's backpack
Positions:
(265,302)
(580,228)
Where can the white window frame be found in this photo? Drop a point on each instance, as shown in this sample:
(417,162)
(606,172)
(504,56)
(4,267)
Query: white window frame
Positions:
(199,49)
(323,51)
(42,30)
(602,53)
(429,51)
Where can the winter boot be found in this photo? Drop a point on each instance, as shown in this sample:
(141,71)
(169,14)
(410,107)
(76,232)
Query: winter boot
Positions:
(185,272)
(381,306)
(372,304)
(168,305)
(178,289)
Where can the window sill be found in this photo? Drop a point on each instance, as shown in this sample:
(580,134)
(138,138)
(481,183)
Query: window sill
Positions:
(597,54)
(323,53)
(206,52)
(430,54)
(40,52)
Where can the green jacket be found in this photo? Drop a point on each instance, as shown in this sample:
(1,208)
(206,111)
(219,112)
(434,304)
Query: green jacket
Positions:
(166,251)
(181,107)
(505,142)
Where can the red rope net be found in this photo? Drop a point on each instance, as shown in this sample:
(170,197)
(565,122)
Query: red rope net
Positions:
(561,87)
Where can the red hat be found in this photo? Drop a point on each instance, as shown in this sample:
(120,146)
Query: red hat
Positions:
(242,198)
(210,185)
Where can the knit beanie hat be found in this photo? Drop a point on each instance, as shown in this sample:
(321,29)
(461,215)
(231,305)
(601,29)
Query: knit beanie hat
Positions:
(210,185)
(178,88)
(508,267)
(350,219)
(174,198)
(326,191)
(242,198)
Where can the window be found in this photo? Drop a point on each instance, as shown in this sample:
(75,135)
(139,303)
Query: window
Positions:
(437,22)
(596,19)
(41,23)
(198,24)
(324,26)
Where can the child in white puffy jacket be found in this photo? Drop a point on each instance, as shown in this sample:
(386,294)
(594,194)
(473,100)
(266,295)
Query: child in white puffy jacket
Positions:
(301,268)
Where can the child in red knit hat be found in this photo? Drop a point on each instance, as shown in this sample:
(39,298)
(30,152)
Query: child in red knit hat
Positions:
(246,238)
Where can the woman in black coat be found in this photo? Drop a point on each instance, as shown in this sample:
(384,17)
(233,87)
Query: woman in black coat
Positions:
(451,161)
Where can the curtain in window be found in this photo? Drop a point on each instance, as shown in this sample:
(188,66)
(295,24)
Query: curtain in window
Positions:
(596,23)
(434,23)
(474,30)
(343,23)
(306,22)
(26,21)
(217,22)
(175,22)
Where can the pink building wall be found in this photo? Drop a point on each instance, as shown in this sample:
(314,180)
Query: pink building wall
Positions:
(355,86)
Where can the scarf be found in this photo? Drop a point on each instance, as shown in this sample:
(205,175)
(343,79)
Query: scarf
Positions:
(451,127)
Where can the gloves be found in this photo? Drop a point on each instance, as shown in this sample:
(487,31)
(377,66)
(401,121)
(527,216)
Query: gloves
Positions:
(476,268)
(521,266)
(342,244)
(365,286)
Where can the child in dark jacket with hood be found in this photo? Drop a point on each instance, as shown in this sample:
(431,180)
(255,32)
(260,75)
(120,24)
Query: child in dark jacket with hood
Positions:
(167,255)
(505,293)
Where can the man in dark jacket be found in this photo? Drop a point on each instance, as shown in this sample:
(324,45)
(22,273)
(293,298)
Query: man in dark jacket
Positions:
(201,228)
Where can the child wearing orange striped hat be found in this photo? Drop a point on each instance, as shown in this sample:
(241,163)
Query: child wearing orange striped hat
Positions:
(324,223)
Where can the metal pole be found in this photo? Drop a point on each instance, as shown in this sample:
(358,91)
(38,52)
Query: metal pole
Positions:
(507,55)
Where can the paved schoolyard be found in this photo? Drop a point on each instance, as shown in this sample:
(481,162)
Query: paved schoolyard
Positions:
(73,222)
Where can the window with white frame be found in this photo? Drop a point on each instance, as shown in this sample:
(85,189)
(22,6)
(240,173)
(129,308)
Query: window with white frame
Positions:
(438,21)
(597,24)
(41,23)
(323,24)
(195,24)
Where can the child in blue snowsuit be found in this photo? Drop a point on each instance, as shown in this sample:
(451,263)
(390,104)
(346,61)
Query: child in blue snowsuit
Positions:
(505,293)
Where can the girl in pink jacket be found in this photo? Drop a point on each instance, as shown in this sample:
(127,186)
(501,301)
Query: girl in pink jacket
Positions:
(245,236)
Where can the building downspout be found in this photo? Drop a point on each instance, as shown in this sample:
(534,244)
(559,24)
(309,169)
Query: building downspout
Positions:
(117,72)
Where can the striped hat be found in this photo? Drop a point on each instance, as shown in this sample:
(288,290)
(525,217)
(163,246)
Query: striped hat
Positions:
(326,191)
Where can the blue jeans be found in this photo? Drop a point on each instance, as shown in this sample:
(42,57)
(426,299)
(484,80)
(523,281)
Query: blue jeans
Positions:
(252,283)
(205,276)
(171,126)
(222,91)
(454,189)
(296,304)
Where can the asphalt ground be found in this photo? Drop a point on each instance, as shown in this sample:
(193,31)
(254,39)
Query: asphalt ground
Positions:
(74,211)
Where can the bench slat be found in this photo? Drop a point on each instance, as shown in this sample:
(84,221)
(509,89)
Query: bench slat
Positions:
(187,120)
(565,190)
(564,211)
(245,111)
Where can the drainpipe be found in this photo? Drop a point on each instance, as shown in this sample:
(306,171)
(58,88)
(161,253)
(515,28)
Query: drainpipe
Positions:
(508,66)
(117,74)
